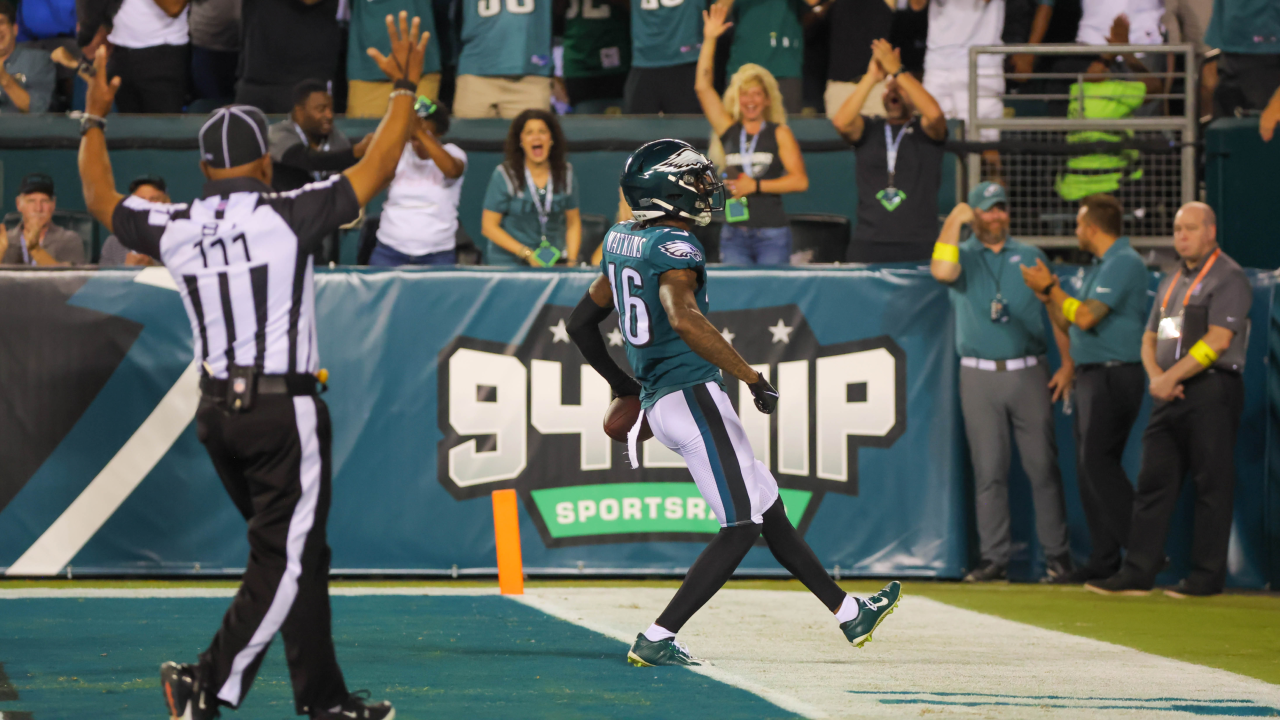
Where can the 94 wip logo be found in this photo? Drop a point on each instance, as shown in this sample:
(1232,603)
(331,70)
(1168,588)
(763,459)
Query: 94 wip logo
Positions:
(531,418)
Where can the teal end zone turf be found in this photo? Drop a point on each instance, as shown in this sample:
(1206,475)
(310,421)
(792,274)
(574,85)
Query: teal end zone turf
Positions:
(442,656)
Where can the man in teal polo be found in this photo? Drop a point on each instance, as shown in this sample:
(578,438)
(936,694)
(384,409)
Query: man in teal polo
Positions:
(1105,320)
(1005,386)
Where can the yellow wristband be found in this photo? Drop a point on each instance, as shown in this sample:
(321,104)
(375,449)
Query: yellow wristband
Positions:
(1069,307)
(1203,354)
(947,252)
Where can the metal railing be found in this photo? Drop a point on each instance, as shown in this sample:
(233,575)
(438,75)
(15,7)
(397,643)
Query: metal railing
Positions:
(1165,145)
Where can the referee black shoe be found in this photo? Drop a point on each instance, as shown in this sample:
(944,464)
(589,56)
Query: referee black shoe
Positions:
(356,707)
(182,693)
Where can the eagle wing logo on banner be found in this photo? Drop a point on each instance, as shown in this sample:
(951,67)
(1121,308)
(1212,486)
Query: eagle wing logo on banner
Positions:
(680,250)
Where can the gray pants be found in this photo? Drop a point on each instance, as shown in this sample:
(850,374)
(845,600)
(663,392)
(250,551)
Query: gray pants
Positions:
(992,402)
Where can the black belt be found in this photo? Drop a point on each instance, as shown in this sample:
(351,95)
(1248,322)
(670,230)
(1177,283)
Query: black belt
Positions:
(291,384)
(1108,364)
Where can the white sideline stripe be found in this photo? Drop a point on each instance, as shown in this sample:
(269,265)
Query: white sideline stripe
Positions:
(300,524)
(782,700)
(152,593)
(156,277)
(113,485)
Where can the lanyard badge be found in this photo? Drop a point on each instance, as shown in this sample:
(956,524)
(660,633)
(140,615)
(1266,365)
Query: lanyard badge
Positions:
(891,197)
(545,254)
(735,210)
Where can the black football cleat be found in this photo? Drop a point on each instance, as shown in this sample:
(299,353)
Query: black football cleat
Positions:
(182,693)
(356,707)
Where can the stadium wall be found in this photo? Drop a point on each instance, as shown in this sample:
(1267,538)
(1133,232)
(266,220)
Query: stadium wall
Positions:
(448,384)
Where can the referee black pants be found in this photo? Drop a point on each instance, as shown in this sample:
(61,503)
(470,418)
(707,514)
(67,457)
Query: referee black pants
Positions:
(1108,400)
(274,463)
(1194,437)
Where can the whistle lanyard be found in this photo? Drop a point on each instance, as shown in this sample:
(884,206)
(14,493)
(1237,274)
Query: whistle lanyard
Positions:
(1164,304)
(747,153)
(995,277)
(544,214)
(891,147)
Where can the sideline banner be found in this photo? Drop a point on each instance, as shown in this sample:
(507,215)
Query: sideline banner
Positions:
(449,384)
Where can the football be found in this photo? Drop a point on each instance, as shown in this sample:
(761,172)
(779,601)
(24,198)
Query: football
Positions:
(621,415)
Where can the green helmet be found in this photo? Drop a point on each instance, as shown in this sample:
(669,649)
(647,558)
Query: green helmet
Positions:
(669,177)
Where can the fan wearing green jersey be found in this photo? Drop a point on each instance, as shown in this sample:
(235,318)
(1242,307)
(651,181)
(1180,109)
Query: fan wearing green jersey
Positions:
(653,273)
(665,38)
(504,66)
(597,54)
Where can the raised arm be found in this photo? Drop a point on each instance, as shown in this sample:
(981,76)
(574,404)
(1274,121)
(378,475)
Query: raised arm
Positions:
(931,117)
(403,67)
(1064,310)
(848,119)
(96,181)
(584,328)
(713,26)
(451,166)
(945,265)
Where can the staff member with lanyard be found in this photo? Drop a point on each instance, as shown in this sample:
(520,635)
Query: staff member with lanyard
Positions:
(1105,322)
(1004,378)
(531,214)
(1193,350)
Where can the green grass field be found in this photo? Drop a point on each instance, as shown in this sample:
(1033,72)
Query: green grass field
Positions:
(1239,633)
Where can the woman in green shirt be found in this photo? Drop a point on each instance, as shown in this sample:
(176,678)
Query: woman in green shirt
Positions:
(531,207)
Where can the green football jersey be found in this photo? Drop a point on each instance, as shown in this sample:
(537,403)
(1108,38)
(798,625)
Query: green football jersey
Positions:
(506,37)
(597,39)
(665,32)
(768,33)
(633,260)
(369,29)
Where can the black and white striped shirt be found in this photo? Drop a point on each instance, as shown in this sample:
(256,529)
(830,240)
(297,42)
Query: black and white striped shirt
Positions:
(242,259)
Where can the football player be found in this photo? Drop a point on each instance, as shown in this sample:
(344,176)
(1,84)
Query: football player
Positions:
(654,275)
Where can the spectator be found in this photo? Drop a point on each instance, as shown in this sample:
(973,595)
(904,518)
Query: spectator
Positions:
(1194,352)
(151,53)
(26,75)
(768,33)
(1003,377)
(1104,322)
(899,162)
(368,89)
(531,206)
(114,254)
(1098,18)
(1029,27)
(954,27)
(46,20)
(505,63)
(1248,34)
(1270,116)
(853,24)
(215,49)
(419,224)
(750,125)
(1186,21)
(307,147)
(664,52)
(597,54)
(283,43)
(1104,95)
(36,240)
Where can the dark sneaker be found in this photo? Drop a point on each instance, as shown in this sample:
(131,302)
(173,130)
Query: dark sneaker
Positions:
(180,693)
(1059,570)
(1121,583)
(1084,574)
(871,612)
(1183,590)
(357,707)
(647,653)
(987,571)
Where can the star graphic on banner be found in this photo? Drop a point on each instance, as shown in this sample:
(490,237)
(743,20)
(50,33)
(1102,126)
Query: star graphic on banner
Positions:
(559,333)
(728,336)
(781,333)
(615,338)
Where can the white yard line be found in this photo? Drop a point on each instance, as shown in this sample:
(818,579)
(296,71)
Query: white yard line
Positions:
(927,658)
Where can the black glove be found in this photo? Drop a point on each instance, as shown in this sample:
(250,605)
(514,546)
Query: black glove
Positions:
(766,397)
(624,388)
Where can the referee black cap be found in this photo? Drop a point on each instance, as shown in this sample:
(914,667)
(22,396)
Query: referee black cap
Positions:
(233,135)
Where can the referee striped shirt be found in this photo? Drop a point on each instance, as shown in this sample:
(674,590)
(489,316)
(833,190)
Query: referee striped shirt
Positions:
(241,256)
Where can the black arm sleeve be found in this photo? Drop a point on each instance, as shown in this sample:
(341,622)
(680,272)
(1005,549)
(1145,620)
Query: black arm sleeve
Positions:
(584,328)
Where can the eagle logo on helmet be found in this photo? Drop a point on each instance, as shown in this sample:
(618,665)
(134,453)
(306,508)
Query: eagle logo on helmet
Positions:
(681,250)
(681,161)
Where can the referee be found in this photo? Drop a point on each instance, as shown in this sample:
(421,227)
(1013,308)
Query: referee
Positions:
(241,257)
(1105,322)
(1193,350)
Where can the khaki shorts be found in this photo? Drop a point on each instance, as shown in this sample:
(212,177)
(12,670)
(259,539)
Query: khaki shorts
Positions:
(838,91)
(367,99)
(505,97)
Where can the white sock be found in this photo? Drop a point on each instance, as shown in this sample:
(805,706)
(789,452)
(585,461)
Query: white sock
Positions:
(657,632)
(848,609)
